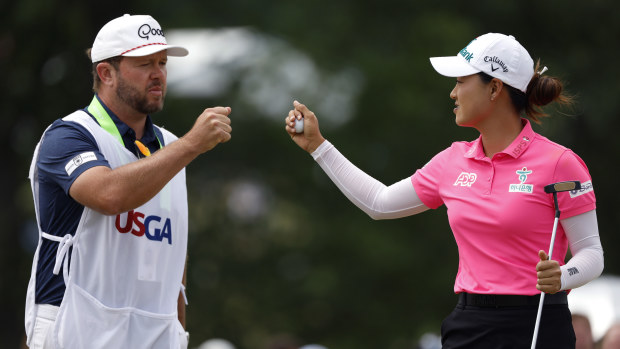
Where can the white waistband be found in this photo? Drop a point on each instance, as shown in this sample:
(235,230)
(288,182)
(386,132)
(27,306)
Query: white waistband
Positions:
(47,311)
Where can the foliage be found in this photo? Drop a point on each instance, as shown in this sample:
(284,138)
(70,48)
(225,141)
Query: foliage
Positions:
(310,265)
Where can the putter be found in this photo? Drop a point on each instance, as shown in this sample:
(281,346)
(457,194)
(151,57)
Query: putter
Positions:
(554,188)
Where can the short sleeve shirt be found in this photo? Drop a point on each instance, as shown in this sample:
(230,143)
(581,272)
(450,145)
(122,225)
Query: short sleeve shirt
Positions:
(59,214)
(498,210)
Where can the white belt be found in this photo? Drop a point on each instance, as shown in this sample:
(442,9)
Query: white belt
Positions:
(64,243)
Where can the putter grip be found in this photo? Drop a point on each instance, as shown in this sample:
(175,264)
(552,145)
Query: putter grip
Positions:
(562,186)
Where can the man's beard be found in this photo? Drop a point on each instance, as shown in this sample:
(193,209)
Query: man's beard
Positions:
(138,101)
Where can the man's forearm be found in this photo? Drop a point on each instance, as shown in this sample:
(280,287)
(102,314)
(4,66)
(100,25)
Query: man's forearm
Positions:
(113,191)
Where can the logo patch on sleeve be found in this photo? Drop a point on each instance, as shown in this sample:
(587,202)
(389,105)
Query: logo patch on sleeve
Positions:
(77,161)
(586,187)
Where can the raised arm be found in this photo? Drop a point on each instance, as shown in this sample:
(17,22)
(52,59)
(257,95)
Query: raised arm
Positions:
(113,191)
(371,196)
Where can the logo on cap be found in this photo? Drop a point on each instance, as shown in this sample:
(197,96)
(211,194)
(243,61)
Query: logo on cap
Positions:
(145,30)
(493,53)
(467,54)
(496,59)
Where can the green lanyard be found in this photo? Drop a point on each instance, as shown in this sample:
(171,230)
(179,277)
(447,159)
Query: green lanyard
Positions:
(105,121)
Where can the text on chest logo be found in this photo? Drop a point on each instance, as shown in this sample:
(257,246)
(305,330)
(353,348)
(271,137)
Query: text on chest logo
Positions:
(466,179)
(522,187)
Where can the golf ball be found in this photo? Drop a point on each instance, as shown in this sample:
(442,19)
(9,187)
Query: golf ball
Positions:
(299,125)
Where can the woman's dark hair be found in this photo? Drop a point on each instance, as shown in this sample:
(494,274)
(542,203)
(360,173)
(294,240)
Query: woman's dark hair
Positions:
(541,91)
(114,62)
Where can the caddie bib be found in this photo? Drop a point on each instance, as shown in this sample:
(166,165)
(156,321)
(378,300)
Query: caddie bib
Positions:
(126,270)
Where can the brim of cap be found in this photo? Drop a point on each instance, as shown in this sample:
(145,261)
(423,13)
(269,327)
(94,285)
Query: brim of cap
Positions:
(453,66)
(176,51)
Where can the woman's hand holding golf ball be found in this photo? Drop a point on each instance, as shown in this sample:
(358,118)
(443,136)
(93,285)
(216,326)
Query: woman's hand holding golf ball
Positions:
(303,127)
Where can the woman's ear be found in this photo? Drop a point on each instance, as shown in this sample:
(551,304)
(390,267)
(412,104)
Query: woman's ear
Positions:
(496,86)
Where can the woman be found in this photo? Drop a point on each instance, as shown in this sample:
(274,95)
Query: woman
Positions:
(492,187)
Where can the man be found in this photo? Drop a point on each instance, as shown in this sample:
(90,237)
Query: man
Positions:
(112,216)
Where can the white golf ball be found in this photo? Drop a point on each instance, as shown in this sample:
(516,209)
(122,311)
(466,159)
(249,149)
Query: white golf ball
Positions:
(299,125)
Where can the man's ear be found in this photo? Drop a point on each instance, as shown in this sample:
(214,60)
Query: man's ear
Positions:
(106,73)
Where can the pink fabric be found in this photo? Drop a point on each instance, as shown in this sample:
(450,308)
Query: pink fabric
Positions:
(498,211)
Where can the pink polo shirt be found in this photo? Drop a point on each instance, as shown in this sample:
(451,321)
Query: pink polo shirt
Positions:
(498,210)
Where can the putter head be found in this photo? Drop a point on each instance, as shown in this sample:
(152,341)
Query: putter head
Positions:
(562,186)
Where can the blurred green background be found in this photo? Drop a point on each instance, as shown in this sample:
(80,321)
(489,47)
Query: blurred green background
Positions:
(276,252)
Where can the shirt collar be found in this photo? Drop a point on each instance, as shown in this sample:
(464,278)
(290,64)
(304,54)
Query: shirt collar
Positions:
(515,149)
(522,142)
(126,132)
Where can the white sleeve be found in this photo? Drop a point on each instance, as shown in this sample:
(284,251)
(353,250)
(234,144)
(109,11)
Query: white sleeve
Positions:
(585,246)
(371,196)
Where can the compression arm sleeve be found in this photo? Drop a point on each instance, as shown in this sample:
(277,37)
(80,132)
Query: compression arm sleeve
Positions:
(585,246)
(371,196)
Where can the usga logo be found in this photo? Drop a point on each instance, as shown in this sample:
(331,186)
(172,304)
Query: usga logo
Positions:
(150,226)
(522,187)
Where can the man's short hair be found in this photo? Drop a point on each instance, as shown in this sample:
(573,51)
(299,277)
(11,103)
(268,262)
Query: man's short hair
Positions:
(113,61)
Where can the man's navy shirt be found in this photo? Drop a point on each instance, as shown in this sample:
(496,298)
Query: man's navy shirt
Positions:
(59,214)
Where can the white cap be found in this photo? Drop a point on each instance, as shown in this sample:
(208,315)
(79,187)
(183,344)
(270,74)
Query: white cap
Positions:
(498,55)
(132,36)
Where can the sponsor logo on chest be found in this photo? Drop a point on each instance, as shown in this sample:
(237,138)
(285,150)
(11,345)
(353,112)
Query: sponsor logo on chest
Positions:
(522,187)
(466,179)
